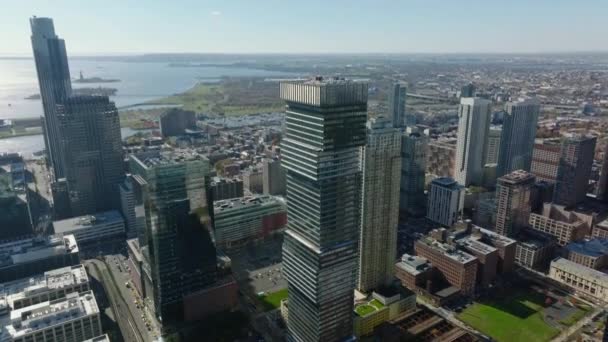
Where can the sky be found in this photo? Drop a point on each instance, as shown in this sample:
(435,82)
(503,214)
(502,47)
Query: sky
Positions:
(105,27)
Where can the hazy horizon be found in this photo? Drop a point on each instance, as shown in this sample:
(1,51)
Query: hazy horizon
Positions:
(313,27)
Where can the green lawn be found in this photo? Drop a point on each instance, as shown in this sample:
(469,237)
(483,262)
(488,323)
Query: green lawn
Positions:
(273,300)
(364,309)
(232,97)
(377,304)
(514,317)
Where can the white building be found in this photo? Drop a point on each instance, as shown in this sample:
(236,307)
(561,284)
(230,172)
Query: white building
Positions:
(446,201)
(73,318)
(474,116)
(50,285)
(583,279)
(380,204)
(29,257)
(92,228)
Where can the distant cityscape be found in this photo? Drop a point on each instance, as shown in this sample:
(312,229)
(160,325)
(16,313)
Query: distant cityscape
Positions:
(392,198)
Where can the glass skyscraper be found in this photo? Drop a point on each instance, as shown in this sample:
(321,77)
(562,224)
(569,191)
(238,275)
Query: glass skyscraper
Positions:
(396,105)
(91,148)
(179,253)
(54,82)
(517,137)
(325,130)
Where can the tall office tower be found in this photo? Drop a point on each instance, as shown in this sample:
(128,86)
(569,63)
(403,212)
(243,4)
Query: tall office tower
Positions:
(396,104)
(446,201)
(54,82)
(513,202)
(493,145)
(602,186)
(180,253)
(574,170)
(91,146)
(518,134)
(380,205)
(473,123)
(325,130)
(274,181)
(468,90)
(414,146)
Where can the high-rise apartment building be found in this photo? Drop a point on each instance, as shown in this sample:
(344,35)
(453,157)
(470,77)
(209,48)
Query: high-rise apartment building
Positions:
(91,146)
(180,253)
(513,202)
(54,82)
(325,130)
(446,201)
(574,170)
(414,148)
(396,104)
(493,145)
(545,160)
(380,205)
(473,123)
(518,134)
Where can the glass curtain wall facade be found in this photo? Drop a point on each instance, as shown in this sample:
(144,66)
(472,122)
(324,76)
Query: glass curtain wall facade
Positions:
(325,130)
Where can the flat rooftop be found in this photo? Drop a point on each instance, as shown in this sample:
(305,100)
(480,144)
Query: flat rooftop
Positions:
(516,177)
(50,281)
(413,264)
(175,156)
(445,181)
(475,246)
(593,248)
(42,315)
(28,250)
(87,221)
(247,201)
(449,251)
(496,238)
(578,270)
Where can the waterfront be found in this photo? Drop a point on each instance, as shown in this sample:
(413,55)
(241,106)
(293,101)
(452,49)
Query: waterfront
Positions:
(29,144)
(139,82)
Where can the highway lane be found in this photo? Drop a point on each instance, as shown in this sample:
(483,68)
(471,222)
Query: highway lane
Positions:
(129,329)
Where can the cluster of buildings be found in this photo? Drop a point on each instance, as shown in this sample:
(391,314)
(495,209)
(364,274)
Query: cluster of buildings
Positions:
(204,188)
(45,293)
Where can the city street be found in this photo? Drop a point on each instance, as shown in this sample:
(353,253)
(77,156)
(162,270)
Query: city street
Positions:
(132,325)
(117,264)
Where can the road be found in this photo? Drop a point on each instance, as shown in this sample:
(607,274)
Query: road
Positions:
(140,310)
(131,331)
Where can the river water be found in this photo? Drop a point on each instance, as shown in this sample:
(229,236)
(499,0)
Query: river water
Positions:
(139,82)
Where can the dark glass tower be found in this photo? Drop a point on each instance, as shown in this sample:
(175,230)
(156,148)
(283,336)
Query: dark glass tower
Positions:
(91,146)
(179,251)
(325,130)
(54,82)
